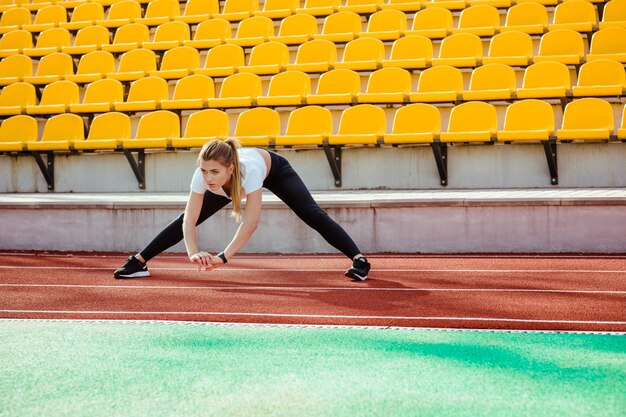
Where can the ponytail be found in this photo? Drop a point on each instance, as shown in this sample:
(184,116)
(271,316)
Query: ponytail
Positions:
(226,153)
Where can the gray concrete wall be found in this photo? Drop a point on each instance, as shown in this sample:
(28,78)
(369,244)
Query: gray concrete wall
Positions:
(469,166)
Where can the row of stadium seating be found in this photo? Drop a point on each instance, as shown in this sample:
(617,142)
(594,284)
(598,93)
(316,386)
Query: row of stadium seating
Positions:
(316,56)
(340,86)
(364,124)
(435,22)
(239,9)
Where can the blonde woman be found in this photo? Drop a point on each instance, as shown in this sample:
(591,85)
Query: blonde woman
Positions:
(226,172)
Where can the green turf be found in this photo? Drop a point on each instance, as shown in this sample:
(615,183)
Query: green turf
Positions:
(106,369)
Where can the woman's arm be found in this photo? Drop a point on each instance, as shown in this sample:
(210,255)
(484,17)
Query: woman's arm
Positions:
(190,219)
(252,214)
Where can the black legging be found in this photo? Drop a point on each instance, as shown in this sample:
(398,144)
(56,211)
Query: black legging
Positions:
(285,183)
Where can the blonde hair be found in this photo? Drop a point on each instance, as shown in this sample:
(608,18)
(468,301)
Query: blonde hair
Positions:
(226,154)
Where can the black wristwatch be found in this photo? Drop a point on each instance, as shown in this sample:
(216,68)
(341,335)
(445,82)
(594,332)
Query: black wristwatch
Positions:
(222,257)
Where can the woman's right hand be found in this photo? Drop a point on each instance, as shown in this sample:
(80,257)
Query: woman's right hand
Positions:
(202,259)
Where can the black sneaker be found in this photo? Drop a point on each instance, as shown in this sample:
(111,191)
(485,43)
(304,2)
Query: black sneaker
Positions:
(359,270)
(133,268)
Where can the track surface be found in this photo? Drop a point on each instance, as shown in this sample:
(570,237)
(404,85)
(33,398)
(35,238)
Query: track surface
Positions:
(503,292)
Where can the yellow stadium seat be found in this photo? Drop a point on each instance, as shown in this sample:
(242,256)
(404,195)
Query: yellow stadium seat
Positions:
(93,66)
(253,31)
(89,38)
(106,131)
(340,27)
(319,7)
(100,97)
(202,127)
(223,60)
(621,132)
(85,14)
(510,48)
(155,130)
(432,23)
(500,4)
(13,19)
(578,15)
(191,92)
(296,29)
(361,6)
(338,86)
(543,2)
(56,98)
(267,58)
(587,118)
(239,90)
(128,38)
(528,120)
(46,18)
(602,77)
(364,124)
(491,82)
(15,97)
(178,62)
(134,64)
(614,14)
(169,35)
(460,50)
(144,94)
(15,42)
(310,125)
(51,68)
(49,41)
(474,121)
(59,133)
(198,11)
(565,46)
(410,52)
(446,4)
(289,88)
(317,55)
(16,131)
(387,85)
(531,18)
(403,5)
(121,13)
(278,9)
(608,43)
(386,25)
(545,80)
(14,68)
(238,9)
(210,34)
(257,127)
(415,123)
(481,20)
(362,54)
(159,12)
(438,84)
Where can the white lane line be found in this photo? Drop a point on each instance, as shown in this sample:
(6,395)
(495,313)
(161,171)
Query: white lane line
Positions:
(307,326)
(312,289)
(495,271)
(313,316)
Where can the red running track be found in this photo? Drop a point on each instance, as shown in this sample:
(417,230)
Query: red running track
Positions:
(574,293)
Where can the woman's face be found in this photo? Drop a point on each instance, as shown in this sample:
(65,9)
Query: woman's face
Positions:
(215,174)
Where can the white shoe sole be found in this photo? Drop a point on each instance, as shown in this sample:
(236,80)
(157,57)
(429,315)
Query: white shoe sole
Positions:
(135,275)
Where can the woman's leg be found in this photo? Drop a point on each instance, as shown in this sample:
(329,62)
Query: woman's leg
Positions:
(287,185)
(173,232)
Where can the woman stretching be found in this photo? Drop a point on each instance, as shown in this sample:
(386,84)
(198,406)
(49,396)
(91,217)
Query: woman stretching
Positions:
(226,172)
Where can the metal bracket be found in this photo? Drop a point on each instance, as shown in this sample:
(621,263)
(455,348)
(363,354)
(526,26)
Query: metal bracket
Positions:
(334,160)
(440,152)
(549,146)
(138,166)
(46,167)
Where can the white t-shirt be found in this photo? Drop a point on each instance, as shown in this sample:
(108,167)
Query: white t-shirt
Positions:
(253,173)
